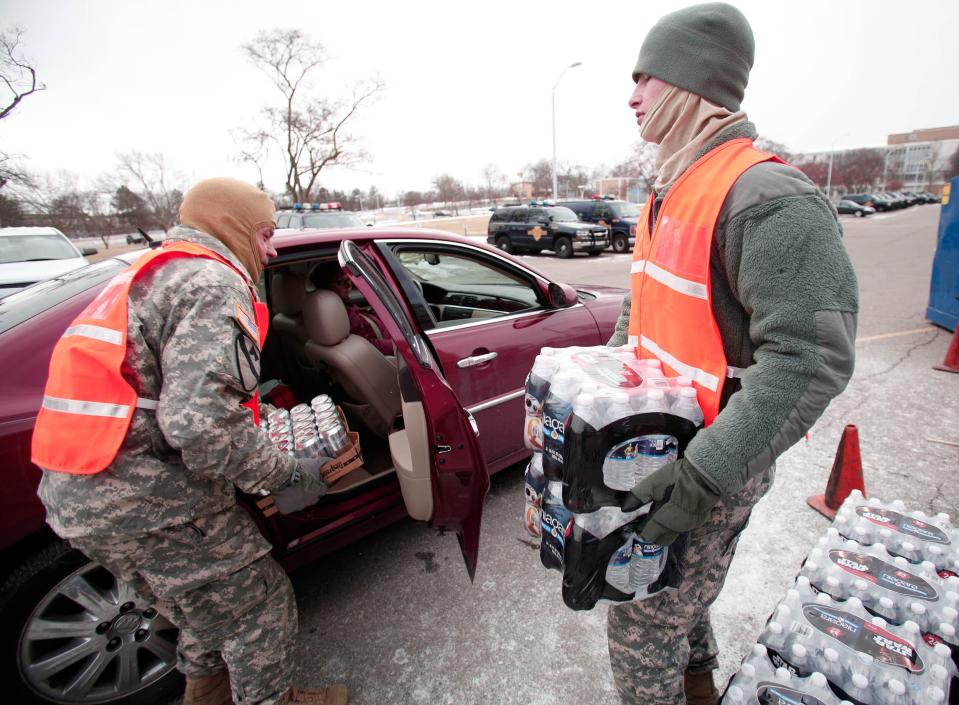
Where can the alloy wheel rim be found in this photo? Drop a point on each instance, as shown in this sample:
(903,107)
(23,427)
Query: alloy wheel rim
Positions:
(92,639)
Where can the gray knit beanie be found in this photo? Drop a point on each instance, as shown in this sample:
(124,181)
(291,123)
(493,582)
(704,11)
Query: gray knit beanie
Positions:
(706,49)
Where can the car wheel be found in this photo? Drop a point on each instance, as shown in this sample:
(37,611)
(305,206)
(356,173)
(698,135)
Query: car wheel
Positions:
(563,248)
(859,214)
(504,243)
(620,244)
(71,633)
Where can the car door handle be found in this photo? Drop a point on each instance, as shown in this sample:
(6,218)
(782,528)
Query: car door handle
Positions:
(476,360)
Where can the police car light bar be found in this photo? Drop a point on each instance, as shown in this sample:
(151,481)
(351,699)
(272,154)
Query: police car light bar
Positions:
(331,206)
(543,202)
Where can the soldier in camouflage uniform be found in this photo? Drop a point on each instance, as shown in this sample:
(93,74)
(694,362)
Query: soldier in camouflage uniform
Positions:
(163,515)
(783,300)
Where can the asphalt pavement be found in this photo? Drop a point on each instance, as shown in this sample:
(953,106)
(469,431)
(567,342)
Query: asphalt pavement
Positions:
(397,619)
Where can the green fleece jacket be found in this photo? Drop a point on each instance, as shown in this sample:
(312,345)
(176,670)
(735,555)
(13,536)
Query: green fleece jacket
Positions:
(785,298)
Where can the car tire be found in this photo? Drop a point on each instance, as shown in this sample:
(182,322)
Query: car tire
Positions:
(859,214)
(504,243)
(36,590)
(563,247)
(620,244)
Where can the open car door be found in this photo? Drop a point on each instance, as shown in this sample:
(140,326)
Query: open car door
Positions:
(438,460)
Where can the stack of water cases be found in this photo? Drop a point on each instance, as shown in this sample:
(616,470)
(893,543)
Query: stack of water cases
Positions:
(599,420)
(871,619)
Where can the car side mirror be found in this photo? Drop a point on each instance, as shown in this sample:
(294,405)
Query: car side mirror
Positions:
(88,251)
(561,295)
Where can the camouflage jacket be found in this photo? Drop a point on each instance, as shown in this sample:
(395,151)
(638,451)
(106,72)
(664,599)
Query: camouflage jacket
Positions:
(188,346)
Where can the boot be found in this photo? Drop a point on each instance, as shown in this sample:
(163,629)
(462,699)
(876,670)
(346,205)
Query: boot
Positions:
(700,689)
(332,695)
(208,690)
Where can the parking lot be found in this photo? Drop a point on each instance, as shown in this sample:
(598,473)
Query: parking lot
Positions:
(397,619)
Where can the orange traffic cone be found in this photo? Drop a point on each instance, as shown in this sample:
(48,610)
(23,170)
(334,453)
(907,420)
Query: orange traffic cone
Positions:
(951,363)
(845,477)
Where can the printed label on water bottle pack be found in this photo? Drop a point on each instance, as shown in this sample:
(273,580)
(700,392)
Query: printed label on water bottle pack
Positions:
(775,694)
(889,519)
(607,369)
(883,574)
(864,637)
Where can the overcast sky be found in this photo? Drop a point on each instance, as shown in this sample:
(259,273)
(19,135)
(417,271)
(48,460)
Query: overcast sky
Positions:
(467,84)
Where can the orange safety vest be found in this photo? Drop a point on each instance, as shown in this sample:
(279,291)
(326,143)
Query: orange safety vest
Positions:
(671,316)
(87,404)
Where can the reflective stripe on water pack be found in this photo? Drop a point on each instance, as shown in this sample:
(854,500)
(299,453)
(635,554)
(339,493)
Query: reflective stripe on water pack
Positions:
(94,408)
(87,330)
(666,278)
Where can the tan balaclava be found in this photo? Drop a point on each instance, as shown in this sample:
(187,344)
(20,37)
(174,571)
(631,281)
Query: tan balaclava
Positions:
(682,123)
(231,211)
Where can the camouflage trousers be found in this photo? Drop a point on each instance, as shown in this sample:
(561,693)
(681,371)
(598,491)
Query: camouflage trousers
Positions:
(652,642)
(215,580)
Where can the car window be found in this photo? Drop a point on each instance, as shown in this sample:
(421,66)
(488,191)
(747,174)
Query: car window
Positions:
(603,211)
(34,248)
(331,220)
(625,210)
(536,215)
(282,220)
(460,287)
(561,213)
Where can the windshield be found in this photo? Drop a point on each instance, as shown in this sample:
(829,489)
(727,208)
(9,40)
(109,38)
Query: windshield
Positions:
(560,213)
(625,210)
(32,248)
(332,220)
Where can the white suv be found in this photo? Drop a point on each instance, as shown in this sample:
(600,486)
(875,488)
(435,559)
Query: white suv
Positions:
(31,255)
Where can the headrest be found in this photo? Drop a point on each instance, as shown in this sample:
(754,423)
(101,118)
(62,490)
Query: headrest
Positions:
(325,317)
(288,290)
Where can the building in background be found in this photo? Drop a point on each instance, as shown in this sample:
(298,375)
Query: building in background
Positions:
(920,159)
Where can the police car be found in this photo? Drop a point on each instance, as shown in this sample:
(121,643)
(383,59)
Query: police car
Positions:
(316,215)
(619,216)
(542,225)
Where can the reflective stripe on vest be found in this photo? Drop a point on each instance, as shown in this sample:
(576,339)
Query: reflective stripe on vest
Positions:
(87,404)
(671,317)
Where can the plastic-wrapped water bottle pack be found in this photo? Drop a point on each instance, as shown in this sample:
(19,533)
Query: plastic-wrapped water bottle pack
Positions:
(876,627)
(599,420)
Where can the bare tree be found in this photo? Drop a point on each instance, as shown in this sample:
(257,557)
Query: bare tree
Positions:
(311,132)
(18,76)
(773,147)
(640,165)
(448,190)
(19,79)
(154,179)
(540,175)
(492,176)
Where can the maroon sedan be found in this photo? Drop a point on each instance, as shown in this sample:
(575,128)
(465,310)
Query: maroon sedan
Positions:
(434,419)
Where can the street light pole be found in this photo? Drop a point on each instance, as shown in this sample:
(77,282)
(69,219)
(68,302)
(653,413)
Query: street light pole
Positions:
(562,73)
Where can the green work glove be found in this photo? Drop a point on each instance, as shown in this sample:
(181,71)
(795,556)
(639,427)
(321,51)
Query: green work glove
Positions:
(303,489)
(682,498)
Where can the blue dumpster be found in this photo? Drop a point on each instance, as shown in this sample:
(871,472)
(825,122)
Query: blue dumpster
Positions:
(943,308)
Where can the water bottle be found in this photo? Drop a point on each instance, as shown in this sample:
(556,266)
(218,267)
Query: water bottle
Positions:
(618,569)
(535,485)
(646,565)
(620,464)
(556,415)
(537,388)
(686,405)
(556,524)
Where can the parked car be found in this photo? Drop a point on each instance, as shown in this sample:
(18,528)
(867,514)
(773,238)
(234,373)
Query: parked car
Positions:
(852,208)
(466,321)
(540,226)
(30,255)
(619,216)
(872,200)
(316,215)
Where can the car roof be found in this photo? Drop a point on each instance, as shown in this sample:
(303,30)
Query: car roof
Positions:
(287,241)
(30,231)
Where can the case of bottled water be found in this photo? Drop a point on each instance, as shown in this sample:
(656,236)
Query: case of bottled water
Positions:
(873,613)
(599,420)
